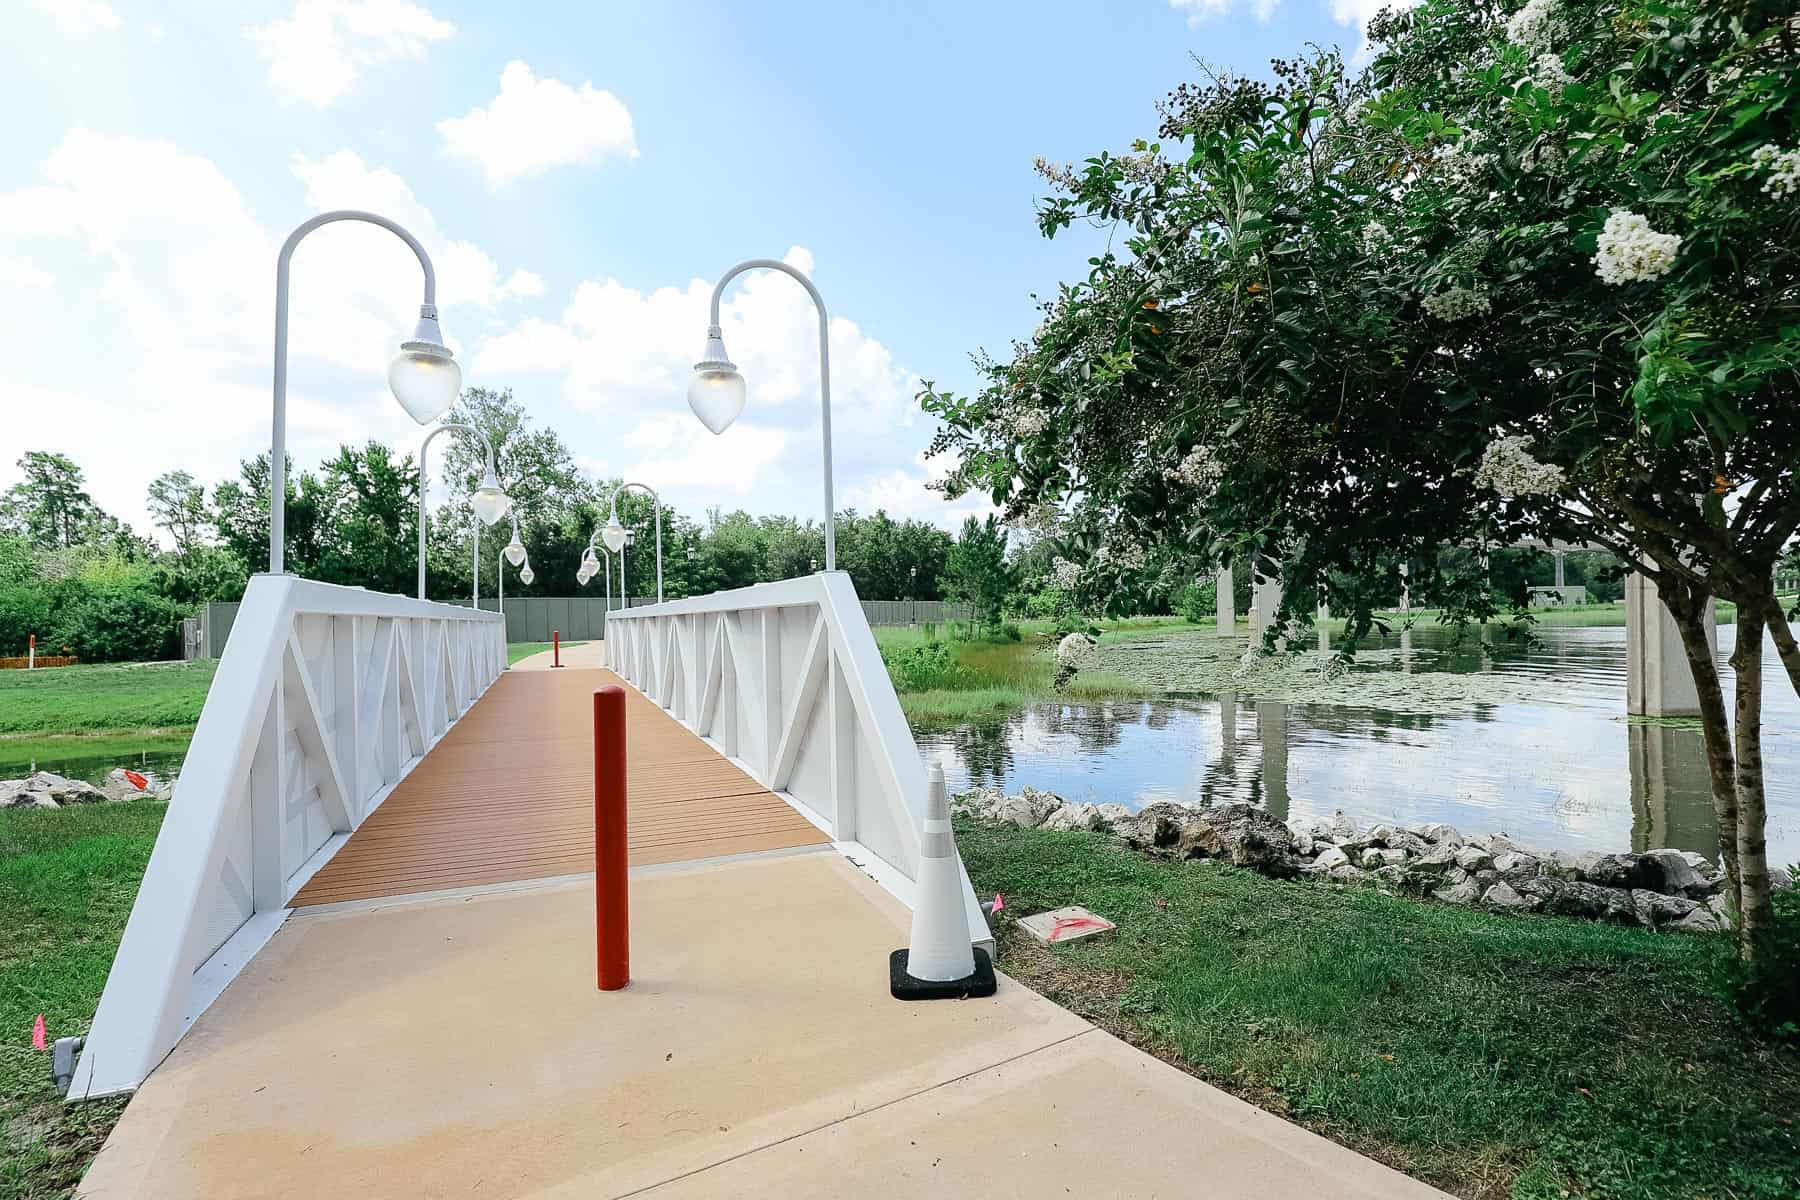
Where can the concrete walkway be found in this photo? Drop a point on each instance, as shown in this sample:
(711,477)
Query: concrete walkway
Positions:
(456,1046)
(582,654)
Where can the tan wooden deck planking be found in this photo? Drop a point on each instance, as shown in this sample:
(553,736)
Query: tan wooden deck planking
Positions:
(508,795)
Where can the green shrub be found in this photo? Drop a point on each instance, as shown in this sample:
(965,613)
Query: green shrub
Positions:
(1200,602)
(127,625)
(930,628)
(24,610)
(922,667)
(1011,633)
(1768,992)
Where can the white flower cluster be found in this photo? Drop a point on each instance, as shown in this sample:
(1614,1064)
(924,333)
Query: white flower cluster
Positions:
(1065,573)
(1538,26)
(1629,250)
(1127,556)
(1076,651)
(1376,238)
(1040,518)
(1061,174)
(1462,165)
(1029,422)
(1783,167)
(1142,168)
(1548,72)
(1453,304)
(1547,157)
(1508,468)
(1199,469)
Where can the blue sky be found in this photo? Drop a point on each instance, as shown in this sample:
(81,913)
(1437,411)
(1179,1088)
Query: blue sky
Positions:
(580,173)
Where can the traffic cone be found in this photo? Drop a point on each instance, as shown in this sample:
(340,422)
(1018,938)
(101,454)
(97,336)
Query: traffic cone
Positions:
(940,964)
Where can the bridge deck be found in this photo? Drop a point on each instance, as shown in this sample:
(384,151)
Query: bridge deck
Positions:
(508,795)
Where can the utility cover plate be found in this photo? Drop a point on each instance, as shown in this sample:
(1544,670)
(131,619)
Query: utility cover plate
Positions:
(1062,925)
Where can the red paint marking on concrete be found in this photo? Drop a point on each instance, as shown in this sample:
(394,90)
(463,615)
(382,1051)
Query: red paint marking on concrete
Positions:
(1068,925)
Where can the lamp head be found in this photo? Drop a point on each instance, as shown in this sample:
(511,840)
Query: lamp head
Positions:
(488,501)
(585,573)
(424,376)
(716,392)
(614,536)
(515,550)
(527,575)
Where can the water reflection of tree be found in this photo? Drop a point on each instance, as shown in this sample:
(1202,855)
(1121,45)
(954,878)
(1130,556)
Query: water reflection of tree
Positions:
(1671,790)
(985,749)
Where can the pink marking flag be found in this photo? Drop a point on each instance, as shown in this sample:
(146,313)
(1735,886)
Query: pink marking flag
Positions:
(999,902)
(38,1040)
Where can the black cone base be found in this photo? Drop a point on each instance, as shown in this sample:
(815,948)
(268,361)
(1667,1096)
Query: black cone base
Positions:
(905,987)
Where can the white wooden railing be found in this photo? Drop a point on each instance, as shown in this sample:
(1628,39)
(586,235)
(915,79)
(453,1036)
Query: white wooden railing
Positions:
(785,679)
(324,699)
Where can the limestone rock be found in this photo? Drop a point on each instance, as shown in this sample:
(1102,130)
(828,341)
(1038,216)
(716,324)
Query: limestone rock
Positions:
(1701,920)
(1655,910)
(1502,896)
(1345,874)
(1374,858)
(1154,827)
(1459,893)
(1440,834)
(1624,871)
(1028,809)
(1331,856)
(1112,814)
(1437,861)
(1074,816)
(978,802)
(1567,864)
(1573,898)
(1242,834)
(1679,876)
(1474,858)
(46,789)
(1516,865)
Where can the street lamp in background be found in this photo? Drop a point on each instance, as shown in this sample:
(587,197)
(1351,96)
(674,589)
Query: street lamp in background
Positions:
(487,501)
(613,524)
(514,553)
(424,376)
(815,566)
(716,393)
(912,591)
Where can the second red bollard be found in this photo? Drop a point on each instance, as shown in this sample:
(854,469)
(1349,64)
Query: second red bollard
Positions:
(556,647)
(612,924)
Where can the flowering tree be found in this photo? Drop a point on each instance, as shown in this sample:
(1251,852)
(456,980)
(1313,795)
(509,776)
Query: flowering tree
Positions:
(1529,273)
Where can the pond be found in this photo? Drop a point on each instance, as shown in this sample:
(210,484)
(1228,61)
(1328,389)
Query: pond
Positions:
(158,757)
(1571,772)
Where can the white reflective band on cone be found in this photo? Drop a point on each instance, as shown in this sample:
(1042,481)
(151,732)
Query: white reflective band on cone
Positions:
(940,949)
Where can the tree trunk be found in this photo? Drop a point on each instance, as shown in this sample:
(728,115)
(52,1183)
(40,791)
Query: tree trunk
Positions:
(1685,607)
(1754,912)
(1784,639)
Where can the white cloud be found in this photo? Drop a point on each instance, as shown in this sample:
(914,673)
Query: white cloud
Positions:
(180,292)
(79,16)
(316,54)
(619,359)
(535,124)
(17,273)
(902,493)
(1198,12)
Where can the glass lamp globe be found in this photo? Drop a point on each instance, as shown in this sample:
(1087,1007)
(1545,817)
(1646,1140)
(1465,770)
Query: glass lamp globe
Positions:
(425,380)
(515,551)
(526,576)
(586,573)
(716,394)
(488,501)
(614,536)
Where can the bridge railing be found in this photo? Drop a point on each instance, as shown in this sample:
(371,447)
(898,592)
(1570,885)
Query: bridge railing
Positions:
(786,679)
(324,699)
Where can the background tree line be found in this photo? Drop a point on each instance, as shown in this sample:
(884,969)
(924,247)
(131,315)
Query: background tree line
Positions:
(79,577)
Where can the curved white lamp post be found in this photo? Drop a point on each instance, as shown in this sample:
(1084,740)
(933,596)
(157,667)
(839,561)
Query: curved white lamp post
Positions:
(613,525)
(514,553)
(488,501)
(716,393)
(424,376)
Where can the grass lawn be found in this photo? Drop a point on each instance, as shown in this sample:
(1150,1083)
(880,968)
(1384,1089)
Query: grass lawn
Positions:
(67,880)
(1492,1056)
(517,650)
(117,697)
(998,675)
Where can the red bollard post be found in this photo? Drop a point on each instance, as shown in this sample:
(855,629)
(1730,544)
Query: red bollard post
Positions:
(612,926)
(556,647)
